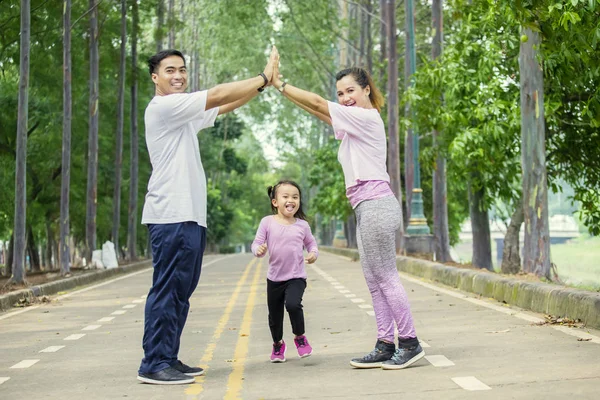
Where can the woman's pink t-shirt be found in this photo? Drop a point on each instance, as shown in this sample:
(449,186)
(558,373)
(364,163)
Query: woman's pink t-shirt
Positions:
(362,152)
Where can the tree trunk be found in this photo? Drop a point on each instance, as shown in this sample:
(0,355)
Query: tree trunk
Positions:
(350,231)
(511,257)
(64,256)
(92,182)
(32,250)
(393,107)
(369,50)
(382,40)
(116,223)
(10,257)
(409,170)
(345,34)
(49,245)
(19,243)
(133,172)
(536,248)
(480,226)
(440,201)
(171,24)
(160,25)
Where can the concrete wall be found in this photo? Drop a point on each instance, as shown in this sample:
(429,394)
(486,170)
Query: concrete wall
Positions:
(545,298)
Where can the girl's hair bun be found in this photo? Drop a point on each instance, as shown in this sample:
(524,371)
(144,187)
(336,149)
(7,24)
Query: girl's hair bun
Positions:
(270,191)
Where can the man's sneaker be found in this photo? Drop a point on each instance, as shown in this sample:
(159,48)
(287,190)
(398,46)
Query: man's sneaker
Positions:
(404,357)
(382,352)
(167,376)
(186,369)
(304,349)
(278,353)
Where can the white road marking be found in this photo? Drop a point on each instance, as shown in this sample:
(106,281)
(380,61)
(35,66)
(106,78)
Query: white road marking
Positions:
(579,334)
(17,313)
(106,319)
(365,306)
(439,361)
(75,336)
(51,349)
(118,312)
(344,291)
(130,306)
(423,344)
(3,379)
(350,295)
(138,301)
(24,364)
(371,313)
(144,296)
(470,383)
(338,287)
(357,300)
(91,327)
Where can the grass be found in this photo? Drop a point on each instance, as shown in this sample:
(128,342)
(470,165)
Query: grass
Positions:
(577,261)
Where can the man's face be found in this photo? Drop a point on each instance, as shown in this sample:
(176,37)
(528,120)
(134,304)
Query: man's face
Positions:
(171,76)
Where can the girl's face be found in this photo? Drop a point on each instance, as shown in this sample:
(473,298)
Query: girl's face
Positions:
(351,94)
(287,200)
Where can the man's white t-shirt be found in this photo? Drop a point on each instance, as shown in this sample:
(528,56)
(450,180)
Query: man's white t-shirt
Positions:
(177,186)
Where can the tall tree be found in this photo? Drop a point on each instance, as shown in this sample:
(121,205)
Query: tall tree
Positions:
(119,136)
(440,202)
(382,39)
(409,170)
(92,177)
(480,224)
(65,256)
(536,248)
(393,108)
(160,22)
(133,169)
(171,24)
(18,274)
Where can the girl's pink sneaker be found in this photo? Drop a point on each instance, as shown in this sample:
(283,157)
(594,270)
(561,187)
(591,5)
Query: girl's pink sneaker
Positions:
(278,353)
(304,349)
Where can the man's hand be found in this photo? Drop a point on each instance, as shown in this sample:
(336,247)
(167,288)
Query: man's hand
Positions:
(273,62)
(310,258)
(261,250)
(276,80)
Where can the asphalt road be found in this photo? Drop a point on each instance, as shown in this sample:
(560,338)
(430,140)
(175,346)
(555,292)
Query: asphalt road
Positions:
(87,343)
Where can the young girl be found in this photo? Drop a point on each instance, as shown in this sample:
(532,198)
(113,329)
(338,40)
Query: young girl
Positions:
(362,153)
(285,234)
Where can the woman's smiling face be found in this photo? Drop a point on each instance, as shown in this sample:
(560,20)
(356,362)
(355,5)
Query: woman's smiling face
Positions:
(351,94)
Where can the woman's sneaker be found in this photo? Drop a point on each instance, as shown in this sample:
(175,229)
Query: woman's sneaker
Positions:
(278,353)
(404,357)
(382,352)
(304,349)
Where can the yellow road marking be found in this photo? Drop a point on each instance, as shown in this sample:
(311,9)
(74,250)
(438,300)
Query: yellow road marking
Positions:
(234,385)
(196,389)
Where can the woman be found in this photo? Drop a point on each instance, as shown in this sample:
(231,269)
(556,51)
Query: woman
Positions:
(357,123)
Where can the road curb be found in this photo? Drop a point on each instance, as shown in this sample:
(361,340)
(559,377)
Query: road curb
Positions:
(539,297)
(8,300)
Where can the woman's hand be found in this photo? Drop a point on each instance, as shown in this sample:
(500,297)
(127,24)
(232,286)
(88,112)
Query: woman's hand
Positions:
(271,65)
(276,80)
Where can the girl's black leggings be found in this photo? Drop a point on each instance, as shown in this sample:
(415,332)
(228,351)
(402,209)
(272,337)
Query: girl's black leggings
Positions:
(286,294)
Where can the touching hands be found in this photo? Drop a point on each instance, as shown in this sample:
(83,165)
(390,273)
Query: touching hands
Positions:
(276,79)
(271,65)
(261,250)
(311,258)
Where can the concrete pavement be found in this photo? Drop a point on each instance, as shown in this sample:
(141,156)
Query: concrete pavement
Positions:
(476,349)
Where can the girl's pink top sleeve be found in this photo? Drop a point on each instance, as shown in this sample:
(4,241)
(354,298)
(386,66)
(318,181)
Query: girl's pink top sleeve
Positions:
(261,237)
(309,241)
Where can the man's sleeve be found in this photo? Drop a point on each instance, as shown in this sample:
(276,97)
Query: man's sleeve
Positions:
(182,108)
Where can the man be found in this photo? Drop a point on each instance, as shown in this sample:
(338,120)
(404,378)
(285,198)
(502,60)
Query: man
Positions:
(175,206)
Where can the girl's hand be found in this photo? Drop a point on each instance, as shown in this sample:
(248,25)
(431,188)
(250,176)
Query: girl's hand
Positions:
(311,258)
(261,250)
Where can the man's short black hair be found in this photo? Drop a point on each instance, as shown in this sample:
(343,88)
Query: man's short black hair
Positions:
(154,61)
